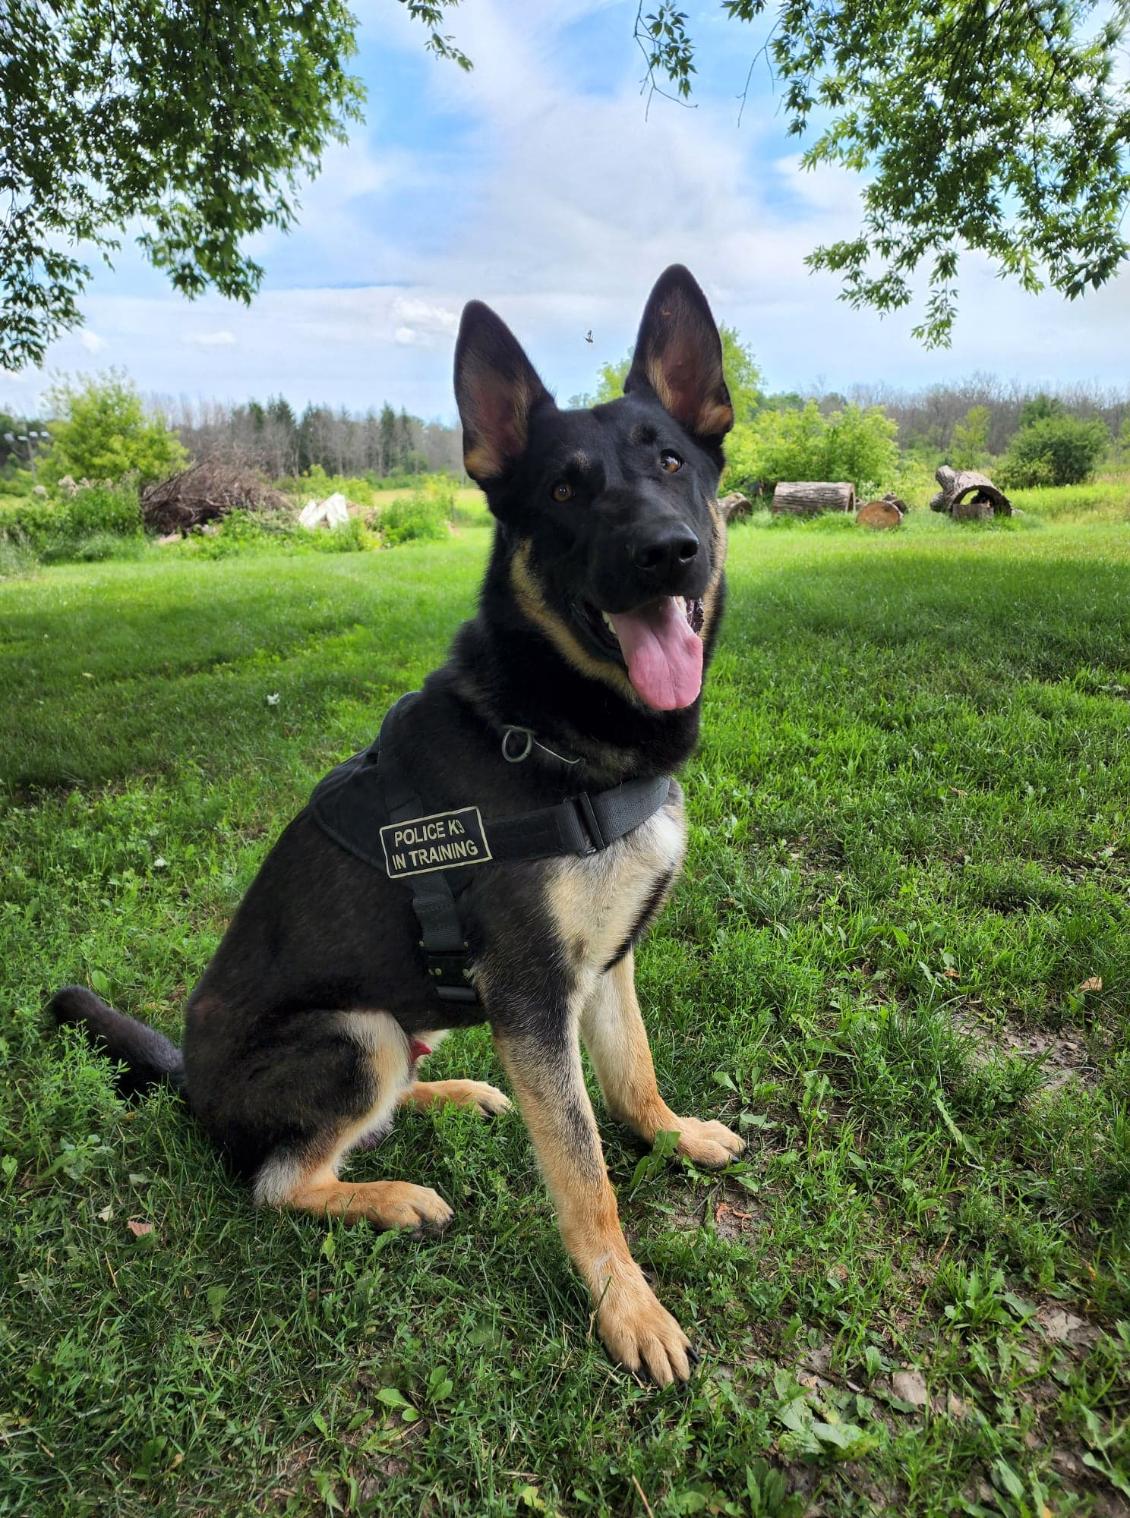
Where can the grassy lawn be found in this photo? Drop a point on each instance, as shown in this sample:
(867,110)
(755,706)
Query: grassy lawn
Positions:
(899,959)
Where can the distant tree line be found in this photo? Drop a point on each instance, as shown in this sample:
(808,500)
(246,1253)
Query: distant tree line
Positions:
(965,424)
(937,419)
(269,436)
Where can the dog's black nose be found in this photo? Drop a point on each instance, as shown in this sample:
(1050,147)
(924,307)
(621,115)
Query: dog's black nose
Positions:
(664,549)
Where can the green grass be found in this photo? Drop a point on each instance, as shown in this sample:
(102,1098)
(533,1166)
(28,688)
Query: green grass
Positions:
(909,872)
(1104,499)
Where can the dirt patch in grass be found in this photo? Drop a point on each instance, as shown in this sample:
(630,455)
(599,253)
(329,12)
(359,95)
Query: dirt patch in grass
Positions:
(1062,1054)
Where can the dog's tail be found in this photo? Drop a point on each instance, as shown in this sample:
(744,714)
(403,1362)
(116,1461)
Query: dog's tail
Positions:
(150,1058)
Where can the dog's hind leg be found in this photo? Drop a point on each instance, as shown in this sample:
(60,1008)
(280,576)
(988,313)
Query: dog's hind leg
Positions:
(549,1083)
(614,1034)
(363,1069)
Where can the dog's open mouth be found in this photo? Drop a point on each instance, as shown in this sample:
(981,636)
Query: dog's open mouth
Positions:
(661,647)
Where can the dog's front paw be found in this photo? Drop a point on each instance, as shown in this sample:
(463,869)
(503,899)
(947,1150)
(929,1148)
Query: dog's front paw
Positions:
(708,1144)
(641,1334)
(418,1209)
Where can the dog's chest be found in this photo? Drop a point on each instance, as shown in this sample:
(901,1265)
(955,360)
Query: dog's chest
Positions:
(599,902)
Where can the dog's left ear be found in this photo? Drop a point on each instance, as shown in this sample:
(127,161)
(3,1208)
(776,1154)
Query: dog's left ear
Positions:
(496,389)
(678,357)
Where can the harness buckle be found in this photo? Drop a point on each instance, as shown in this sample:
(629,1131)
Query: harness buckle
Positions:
(590,823)
(450,974)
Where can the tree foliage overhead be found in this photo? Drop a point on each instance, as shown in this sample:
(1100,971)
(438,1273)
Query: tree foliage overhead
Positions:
(997,126)
(991,125)
(198,116)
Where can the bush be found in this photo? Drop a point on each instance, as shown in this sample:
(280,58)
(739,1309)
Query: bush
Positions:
(102,432)
(239,532)
(31,524)
(1058,450)
(350,537)
(851,444)
(113,510)
(421,516)
(57,530)
(16,484)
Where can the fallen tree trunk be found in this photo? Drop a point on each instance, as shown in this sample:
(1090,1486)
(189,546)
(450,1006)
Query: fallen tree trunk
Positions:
(879,514)
(809,498)
(735,506)
(967,495)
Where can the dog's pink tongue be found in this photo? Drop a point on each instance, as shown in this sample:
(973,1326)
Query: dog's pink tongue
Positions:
(663,655)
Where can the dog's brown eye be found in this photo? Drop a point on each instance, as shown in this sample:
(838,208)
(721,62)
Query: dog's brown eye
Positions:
(671,462)
(562,491)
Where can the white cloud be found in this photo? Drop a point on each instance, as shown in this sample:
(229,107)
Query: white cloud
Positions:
(424,316)
(91,341)
(220,339)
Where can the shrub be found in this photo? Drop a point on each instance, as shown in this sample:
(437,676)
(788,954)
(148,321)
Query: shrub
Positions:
(108,509)
(421,516)
(350,537)
(18,484)
(102,432)
(1039,408)
(1058,450)
(31,524)
(239,532)
(851,444)
(57,530)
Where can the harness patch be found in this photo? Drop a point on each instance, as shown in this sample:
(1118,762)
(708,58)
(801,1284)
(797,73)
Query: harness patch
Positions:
(442,841)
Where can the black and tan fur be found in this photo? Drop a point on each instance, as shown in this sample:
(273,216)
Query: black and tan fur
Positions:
(300,1039)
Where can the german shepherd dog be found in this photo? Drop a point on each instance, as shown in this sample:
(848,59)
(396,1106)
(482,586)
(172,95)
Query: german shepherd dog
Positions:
(596,619)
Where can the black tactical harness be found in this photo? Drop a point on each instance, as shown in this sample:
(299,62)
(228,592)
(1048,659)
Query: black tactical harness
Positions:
(370,807)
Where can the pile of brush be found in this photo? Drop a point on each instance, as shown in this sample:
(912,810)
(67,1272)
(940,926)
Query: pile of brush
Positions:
(206,492)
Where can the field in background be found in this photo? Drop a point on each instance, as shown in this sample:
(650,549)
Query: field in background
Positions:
(899,960)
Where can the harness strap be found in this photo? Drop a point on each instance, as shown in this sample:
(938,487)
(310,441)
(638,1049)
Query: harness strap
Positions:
(584,824)
(441,930)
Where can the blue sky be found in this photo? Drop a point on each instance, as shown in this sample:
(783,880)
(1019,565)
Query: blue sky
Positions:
(540,184)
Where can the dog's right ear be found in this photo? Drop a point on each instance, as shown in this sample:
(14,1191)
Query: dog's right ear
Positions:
(496,389)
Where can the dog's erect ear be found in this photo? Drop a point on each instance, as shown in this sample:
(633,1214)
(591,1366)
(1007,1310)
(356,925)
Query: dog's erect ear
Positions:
(496,389)
(678,356)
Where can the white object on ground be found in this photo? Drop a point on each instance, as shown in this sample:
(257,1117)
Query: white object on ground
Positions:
(333,511)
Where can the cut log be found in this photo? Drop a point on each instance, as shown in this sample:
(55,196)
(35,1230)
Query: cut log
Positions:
(968,496)
(735,506)
(879,514)
(809,498)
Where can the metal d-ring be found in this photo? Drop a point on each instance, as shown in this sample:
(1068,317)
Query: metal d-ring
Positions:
(527,733)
